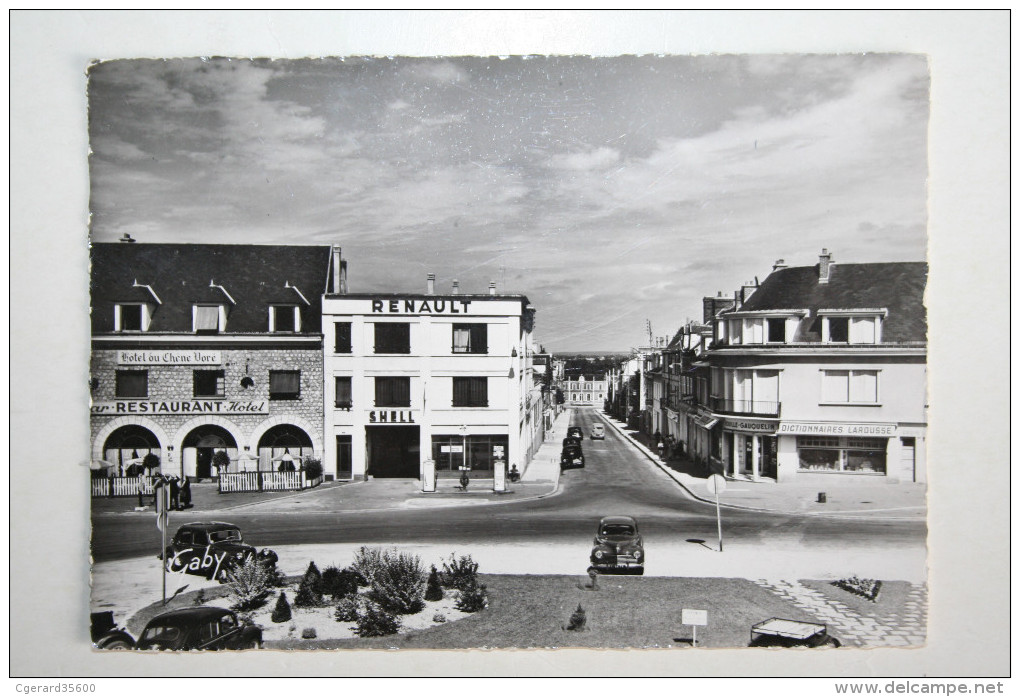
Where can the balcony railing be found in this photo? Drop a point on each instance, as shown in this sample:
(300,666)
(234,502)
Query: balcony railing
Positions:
(744,407)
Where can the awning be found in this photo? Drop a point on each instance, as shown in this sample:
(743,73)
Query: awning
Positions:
(706,422)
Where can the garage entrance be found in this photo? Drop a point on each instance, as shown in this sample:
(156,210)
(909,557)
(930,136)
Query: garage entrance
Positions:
(393,451)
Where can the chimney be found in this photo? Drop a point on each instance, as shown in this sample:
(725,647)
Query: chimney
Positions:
(456,287)
(825,264)
(128,238)
(492,287)
(780,264)
(430,284)
(339,272)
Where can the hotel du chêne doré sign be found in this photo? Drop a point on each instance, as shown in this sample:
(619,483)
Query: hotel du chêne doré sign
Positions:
(169,357)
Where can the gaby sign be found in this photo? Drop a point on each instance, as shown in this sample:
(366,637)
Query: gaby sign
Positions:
(837,429)
(161,357)
(193,406)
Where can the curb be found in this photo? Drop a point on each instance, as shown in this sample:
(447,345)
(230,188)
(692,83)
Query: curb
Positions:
(856,515)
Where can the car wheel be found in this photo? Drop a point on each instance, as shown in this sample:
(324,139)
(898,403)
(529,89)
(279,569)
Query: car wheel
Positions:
(117,644)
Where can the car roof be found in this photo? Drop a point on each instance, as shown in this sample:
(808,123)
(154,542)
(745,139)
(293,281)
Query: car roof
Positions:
(618,520)
(209,526)
(189,614)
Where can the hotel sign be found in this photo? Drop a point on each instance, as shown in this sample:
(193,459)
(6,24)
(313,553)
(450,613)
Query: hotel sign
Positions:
(193,406)
(162,357)
(803,428)
(752,425)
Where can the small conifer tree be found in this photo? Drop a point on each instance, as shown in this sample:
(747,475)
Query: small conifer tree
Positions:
(433,590)
(578,619)
(281,613)
(309,593)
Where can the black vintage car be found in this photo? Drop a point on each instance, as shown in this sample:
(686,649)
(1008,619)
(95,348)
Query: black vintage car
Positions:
(575,432)
(571,440)
(618,546)
(210,550)
(199,629)
(571,456)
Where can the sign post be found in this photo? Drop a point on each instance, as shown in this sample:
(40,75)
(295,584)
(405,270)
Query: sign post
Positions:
(695,618)
(162,521)
(716,485)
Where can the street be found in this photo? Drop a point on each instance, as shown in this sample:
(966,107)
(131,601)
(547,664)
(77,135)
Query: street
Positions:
(617,479)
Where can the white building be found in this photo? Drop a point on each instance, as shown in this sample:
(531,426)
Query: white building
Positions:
(586,391)
(411,377)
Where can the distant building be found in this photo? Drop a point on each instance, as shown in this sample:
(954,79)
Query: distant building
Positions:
(201,348)
(585,391)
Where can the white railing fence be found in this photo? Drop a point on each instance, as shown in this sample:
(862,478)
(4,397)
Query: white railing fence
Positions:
(108,487)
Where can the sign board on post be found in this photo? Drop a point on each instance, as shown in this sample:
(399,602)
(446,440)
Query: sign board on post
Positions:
(717,485)
(695,618)
(499,475)
(428,476)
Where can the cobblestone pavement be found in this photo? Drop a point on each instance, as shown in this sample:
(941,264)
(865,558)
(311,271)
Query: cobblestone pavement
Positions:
(902,627)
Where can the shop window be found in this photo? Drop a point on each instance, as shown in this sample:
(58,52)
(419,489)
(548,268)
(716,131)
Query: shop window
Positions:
(830,454)
(470,338)
(131,318)
(478,453)
(470,392)
(393,391)
(343,393)
(850,387)
(284,384)
(776,330)
(209,383)
(392,337)
(132,384)
(208,319)
(284,318)
(342,338)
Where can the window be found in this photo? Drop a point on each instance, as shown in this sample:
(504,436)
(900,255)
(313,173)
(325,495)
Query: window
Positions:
(209,383)
(343,393)
(392,337)
(132,384)
(470,338)
(284,318)
(208,319)
(831,454)
(753,331)
(392,391)
(342,341)
(839,330)
(777,330)
(862,330)
(470,392)
(284,384)
(850,386)
(479,453)
(130,318)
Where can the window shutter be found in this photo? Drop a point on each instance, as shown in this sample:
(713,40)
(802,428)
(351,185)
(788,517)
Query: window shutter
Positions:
(479,338)
(207,318)
(479,392)
(864,386)
(343,391)
(343,337)
(862,330)
(835,385)
(461,392)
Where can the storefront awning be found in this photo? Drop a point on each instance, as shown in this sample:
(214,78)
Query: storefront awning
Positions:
(705,422)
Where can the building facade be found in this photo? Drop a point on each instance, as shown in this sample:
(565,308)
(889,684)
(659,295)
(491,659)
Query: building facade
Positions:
(585,391)
(417,376)
(822,370)
(204,349)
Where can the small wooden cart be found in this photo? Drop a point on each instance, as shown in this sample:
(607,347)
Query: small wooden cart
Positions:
(785,633)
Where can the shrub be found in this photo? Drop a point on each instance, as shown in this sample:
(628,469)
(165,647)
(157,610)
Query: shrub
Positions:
(150,461)
(309,633)
(367,561)
(577,620)
(313,468)
(349,608)
(375,621)
(473,599)
(281,613)
(220,459)
(433,590)
(867,588)
(309,593)
(439,618)
(248,584)
(399,583)
(339,582)
(460,573)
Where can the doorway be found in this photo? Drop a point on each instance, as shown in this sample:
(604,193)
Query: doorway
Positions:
(393,451)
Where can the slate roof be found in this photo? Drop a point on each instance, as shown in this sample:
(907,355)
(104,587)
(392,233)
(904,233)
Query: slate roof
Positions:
(896,286)
(179,274)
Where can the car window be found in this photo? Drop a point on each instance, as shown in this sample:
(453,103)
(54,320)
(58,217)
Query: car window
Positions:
(185,537)
(161,633)
(227,623)
(200,538)
(208,631)
(225,535)
(617,530)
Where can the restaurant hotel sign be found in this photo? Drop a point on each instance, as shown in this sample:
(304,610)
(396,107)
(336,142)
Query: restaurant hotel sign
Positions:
(179,406)
(803,428)
(162,357)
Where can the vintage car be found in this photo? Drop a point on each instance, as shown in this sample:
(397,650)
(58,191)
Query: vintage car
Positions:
(618,546)
(571,440)
(107,635)
(210,550)
(598,432)
(571,456)
(199,629)
(786,633)
(575,432)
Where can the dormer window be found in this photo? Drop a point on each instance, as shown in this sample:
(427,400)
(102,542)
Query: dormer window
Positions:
(284,318)
(852,326)
(209,319)
(776,327)
(132,317)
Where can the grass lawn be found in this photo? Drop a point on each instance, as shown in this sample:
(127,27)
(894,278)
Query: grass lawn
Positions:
(625,612)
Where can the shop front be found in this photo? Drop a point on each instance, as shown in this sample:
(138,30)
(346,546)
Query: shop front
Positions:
(840,448)
(750,448)
(477,454)
(393,451)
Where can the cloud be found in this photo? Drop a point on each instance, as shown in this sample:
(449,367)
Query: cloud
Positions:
(597,160)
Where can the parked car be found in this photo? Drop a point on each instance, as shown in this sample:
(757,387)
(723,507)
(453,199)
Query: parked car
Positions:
(786,633)
(618,546)
(571,440)
(199,629)
(210,550)
(575,432)
(598,432)
(571,456)
(107,635)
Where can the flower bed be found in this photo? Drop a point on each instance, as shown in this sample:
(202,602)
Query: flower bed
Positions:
(867,588)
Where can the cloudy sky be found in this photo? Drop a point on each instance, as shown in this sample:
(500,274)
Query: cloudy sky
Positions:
(610,191)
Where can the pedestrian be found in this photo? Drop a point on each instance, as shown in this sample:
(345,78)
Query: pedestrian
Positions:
(175,493)
(186,493)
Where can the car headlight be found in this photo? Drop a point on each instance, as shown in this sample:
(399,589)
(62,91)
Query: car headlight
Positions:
(637,553)
(598,554)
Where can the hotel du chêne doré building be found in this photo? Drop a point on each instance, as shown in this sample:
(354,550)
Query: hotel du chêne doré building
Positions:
(413,379)
(206,348)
